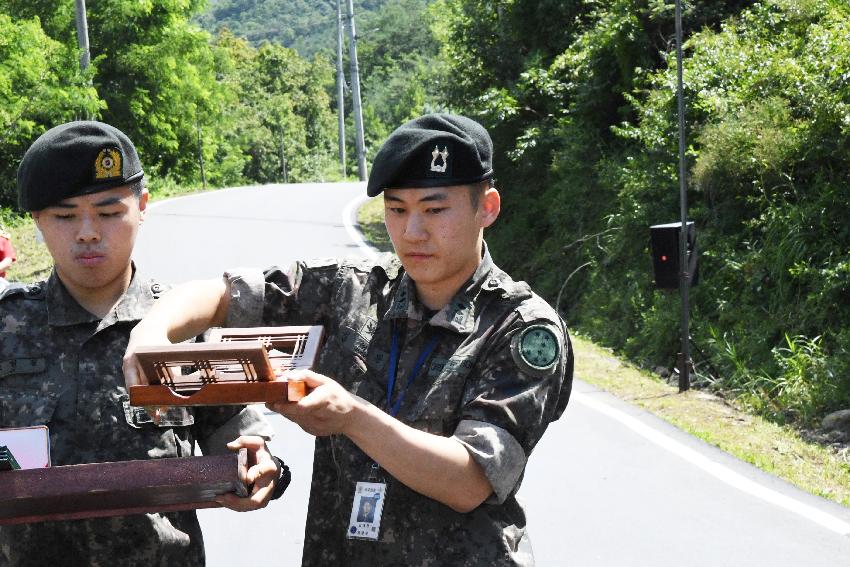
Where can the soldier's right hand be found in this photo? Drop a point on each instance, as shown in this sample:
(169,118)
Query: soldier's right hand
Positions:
(142,335)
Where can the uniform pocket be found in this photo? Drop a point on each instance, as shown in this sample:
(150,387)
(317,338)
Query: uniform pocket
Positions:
(27,408)
(22,366)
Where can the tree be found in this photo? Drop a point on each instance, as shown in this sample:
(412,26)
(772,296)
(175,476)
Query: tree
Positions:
(283,116)
(40,86)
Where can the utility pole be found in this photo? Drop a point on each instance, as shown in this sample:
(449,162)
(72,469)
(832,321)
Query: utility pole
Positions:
(684,274)
(355,92)
(83,35)
(340,86)
(283,158)
(201,155)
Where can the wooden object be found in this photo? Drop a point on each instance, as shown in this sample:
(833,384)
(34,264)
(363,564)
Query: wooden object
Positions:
(120,488)
(236,366)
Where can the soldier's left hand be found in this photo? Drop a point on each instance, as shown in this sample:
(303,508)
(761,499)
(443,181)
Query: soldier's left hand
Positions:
(261,475)
(326,410)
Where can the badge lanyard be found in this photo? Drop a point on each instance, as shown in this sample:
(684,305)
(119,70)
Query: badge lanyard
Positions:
(392,409)
(370,496)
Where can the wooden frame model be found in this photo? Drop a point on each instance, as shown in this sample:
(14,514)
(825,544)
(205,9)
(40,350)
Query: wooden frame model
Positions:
(236,366)
(121,488)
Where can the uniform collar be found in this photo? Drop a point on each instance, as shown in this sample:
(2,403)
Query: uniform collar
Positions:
(459,314)
(63,309)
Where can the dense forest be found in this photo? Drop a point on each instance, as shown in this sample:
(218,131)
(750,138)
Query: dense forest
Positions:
(308,26)
(579,96)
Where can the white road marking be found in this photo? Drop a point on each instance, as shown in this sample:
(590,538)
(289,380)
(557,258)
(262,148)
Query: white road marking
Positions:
(722,473)
(349,219)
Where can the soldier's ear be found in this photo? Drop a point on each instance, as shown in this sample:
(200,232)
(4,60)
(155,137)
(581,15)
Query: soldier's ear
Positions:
(491,205)
(143,203)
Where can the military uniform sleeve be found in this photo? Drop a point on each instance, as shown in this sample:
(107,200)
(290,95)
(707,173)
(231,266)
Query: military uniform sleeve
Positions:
(301,296)
(216,426)
(521,385)
(247,293)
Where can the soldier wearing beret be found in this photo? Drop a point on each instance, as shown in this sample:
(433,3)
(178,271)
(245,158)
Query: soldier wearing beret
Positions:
(61,345)
(439,375)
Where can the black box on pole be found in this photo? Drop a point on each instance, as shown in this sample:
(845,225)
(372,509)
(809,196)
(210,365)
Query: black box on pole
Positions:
(664,239)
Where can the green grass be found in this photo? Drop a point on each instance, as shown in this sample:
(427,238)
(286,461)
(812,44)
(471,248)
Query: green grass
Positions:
(34,261)
(370,218)
(776,449)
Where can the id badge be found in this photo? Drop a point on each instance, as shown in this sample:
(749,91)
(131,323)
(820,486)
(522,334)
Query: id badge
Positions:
(366,511)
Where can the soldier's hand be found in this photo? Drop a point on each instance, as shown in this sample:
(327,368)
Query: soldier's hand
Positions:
(261,475)
(326,410)
(140,336)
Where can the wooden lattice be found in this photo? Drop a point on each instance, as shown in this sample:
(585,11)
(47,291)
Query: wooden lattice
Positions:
(236,366)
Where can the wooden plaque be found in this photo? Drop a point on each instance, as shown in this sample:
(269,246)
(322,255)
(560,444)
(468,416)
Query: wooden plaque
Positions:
(236,366)
(120,488)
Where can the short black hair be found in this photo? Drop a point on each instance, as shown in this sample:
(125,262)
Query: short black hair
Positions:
(478,189)
(137,187)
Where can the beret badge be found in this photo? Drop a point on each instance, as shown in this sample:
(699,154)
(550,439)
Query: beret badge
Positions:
(108,164)
(439,166)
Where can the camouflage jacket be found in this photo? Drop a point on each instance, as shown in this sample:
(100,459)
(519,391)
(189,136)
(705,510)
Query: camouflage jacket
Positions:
(500,373)
(60,366)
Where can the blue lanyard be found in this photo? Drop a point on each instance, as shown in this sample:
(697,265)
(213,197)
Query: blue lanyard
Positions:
(392,409)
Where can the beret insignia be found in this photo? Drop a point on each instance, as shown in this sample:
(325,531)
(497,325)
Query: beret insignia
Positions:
(538,347)
(108,164)
(439,159)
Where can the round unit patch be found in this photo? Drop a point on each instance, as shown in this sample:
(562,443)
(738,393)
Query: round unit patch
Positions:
(538,347)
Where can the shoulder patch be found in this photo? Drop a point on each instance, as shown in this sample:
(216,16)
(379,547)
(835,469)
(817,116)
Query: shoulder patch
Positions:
(536,347)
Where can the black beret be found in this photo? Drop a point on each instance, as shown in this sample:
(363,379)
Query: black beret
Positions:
(435,150)
(77,158)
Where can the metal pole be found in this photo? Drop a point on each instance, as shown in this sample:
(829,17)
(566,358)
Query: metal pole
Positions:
(355,95)
(283,157)
(684,275)
(83,35)
(340,86)
(201,156)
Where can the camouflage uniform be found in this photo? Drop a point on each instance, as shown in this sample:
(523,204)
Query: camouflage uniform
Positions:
(60,366)
(475,387)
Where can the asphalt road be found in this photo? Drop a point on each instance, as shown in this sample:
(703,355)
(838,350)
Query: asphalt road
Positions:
(609,484)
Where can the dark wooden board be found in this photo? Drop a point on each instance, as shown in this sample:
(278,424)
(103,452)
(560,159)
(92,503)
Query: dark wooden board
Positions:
(119,488)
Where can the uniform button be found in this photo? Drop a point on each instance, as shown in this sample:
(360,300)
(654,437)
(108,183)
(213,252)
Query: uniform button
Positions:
(493,282)
(156,288)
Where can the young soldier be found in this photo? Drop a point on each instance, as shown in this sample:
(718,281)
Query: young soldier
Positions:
(438,377)
(61,343)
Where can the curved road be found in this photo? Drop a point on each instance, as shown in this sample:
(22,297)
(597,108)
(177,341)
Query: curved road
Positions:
(609,484)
